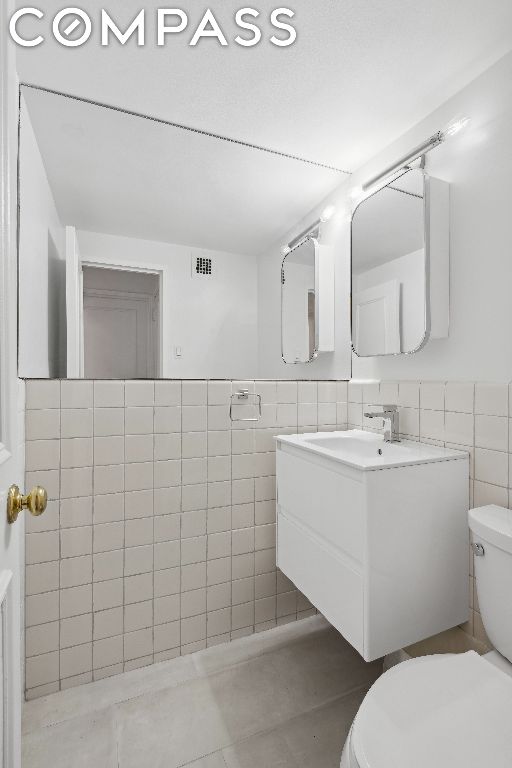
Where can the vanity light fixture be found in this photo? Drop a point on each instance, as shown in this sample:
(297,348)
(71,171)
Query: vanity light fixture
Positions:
(455,127)
(433,141)
(327,213)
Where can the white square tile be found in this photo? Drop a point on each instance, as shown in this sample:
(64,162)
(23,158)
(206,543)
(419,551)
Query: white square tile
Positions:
(109,478)
(41,547)
(460,396)
(432,425)
(108,508)
(108,623)
(168,393)
(194,418)
(138,560)
(75,571)
(168,446)
(138,448)
(492,467)
(409,394)
(76,482)
(107,594)
(432,395)
(76,630)
(167,528)
(219,392)
(108,536)
(75,542)
(76,452)
(109,394)
(109,450)
(286,392)
(491,432)
(108,566)
(139,477)
(138,532)
(219,443)
(139,393)
(139,420)
(42,454)
(76,394)
(108,421)
(42,394)
(491,399)
(42,425)
(194,393)
(75,601)
(76,422)
(167,419)
(459,428)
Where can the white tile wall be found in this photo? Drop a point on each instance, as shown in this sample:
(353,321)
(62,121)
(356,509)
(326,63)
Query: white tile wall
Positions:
(159,537)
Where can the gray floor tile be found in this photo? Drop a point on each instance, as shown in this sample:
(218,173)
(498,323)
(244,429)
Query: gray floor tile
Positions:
(211,761)
(268,750)
(317,738)
(79,743)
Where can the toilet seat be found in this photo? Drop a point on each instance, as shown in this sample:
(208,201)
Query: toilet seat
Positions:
(442,711)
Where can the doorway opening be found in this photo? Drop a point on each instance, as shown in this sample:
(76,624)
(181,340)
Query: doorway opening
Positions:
(121,323)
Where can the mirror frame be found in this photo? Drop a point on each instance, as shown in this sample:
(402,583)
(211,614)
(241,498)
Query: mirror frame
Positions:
(314,356)
(426,249)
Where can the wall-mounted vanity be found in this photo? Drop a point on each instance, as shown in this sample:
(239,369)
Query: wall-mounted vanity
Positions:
(375,534)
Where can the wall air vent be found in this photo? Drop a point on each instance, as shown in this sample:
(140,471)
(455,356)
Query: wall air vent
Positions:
(201,266)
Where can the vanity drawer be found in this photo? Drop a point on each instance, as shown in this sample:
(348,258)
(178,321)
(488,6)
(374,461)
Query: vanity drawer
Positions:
(325,500)
(328,582)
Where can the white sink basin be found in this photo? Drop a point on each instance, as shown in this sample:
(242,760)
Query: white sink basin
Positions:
(368,451)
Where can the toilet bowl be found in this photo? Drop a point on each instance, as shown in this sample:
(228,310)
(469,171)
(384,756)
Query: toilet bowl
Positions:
(449,710)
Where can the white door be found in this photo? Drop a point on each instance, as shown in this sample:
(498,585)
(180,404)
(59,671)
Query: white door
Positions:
(119,335)
(377,319)
(11,407)
(74,306)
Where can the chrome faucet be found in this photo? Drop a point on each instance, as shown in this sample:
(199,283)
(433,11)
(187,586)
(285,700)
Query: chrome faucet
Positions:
(391,422)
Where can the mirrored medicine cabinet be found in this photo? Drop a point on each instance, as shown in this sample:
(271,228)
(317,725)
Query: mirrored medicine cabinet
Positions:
(400,265)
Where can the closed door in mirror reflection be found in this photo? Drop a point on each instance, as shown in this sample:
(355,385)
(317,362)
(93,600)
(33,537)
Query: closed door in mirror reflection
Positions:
(389,285)
(299,324)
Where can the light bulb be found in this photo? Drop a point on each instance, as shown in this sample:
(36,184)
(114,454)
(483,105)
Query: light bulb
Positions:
(327,213)
(455,127)
(285,250)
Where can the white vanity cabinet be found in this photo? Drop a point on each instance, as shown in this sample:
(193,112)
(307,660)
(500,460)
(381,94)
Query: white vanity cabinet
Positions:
(376,539)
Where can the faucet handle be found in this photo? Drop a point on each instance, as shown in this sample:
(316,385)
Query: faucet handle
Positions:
(390,407)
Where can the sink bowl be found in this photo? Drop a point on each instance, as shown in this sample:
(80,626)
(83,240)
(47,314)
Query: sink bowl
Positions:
(368,451)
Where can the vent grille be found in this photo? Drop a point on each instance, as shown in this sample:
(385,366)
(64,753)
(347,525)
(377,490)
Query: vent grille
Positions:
(202,266)
(282,276)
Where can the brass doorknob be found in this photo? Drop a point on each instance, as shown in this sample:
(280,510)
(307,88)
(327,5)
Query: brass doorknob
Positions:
(35,502)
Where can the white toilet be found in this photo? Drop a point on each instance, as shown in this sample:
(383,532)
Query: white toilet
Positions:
(449,710)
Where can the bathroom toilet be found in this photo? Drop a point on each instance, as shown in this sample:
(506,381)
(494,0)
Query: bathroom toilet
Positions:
(449,710)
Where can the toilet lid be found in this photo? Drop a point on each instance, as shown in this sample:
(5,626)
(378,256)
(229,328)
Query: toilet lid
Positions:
(447,711)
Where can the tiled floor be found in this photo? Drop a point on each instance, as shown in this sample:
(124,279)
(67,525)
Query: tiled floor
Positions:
(280,699)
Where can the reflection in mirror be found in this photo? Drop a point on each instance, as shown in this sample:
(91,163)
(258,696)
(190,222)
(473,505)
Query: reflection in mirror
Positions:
(299,327)
(140,244)
(389,276)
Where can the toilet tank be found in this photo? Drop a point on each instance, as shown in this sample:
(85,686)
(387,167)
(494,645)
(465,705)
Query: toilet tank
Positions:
(491,529)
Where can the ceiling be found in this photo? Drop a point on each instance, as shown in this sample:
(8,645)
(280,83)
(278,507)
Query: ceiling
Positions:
(360,73)
(124,175)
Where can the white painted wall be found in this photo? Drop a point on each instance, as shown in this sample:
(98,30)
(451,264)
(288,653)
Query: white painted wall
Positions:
(42,324)
(478,165)
(409,271)
(212,319)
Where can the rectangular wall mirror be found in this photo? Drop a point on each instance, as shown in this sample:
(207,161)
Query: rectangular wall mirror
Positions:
(390,299)
(140,246)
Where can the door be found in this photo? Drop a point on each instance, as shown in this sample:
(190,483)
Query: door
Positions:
(11,409)
(119,335)
(377,320)
(74,307)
